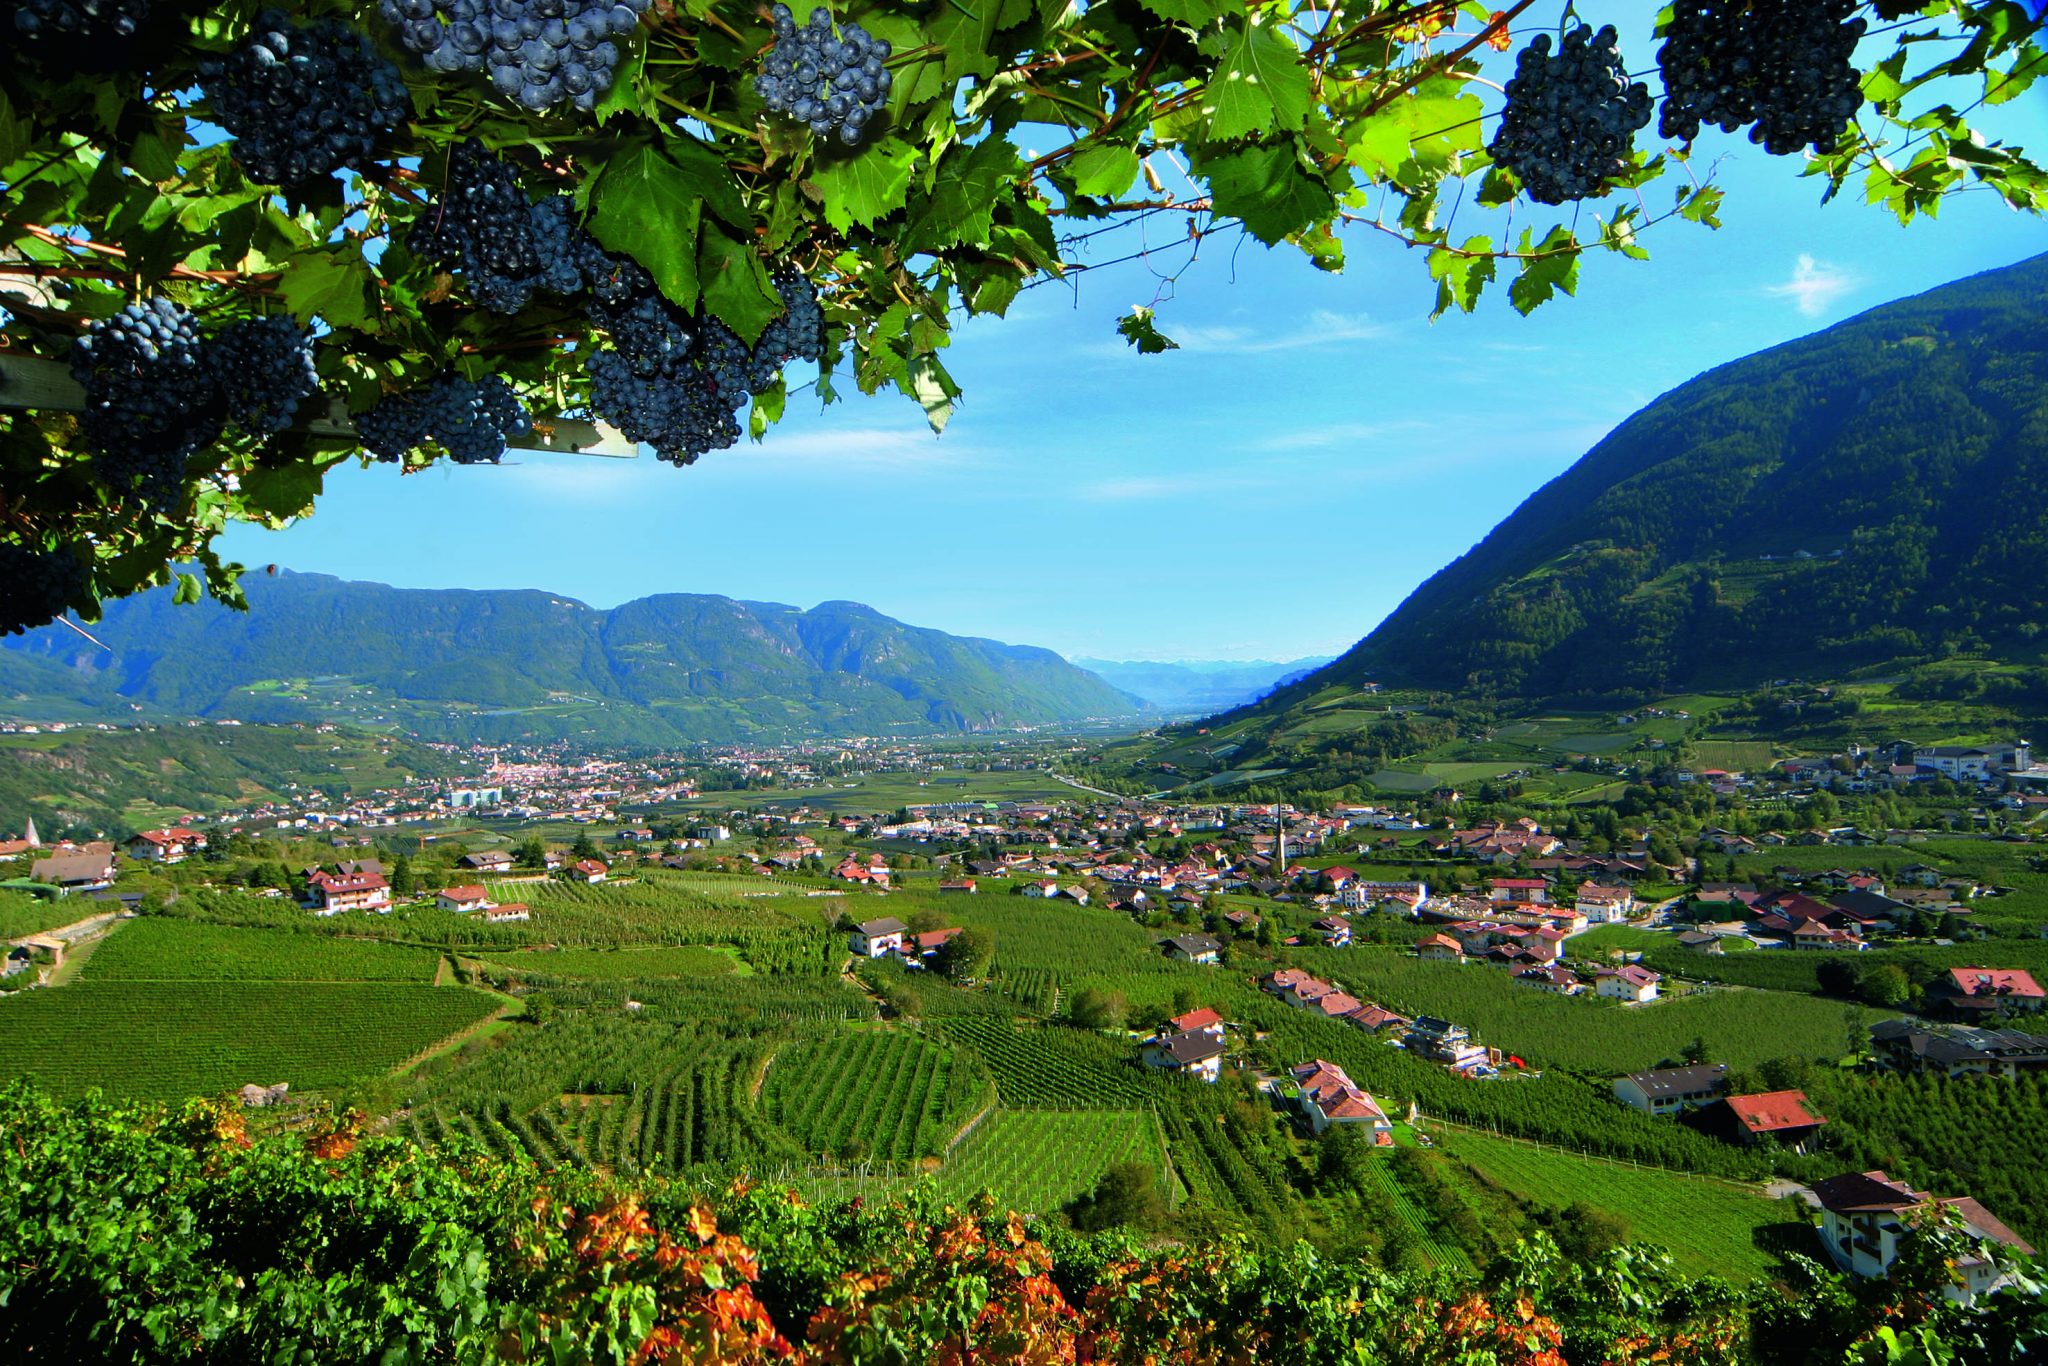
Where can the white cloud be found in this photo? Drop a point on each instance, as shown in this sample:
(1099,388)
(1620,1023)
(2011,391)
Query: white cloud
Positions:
(1122,490)
(1320,328)
(1814,286)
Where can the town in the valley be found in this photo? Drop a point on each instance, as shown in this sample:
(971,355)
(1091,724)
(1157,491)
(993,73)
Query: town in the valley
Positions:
(1470,938)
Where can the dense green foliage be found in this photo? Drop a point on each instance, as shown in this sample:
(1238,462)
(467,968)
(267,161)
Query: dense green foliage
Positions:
(872,1094)
(509,664)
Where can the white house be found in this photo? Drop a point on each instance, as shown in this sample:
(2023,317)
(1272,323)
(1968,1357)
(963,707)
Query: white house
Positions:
(511,910)
(1627,983)
(1326,1095)
(873,938)
(1192,1053)
(1667,1090)
(1604,905)
(1195,948)
(171,845)
(1863,1216)
(1333,930)
(463,899)
(332,893)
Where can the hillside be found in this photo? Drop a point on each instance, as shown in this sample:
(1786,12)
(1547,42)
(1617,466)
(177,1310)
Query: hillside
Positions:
(1874,496)
(512,664)
(1200,686)
(133,778)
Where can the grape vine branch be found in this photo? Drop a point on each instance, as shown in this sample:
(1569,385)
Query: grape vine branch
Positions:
(466,219)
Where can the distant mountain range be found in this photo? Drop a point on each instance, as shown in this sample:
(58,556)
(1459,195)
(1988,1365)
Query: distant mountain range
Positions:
(517,664)
(1200,686)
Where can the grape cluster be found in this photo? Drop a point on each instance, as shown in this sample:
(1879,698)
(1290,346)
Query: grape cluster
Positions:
(1571,119)
(469,419)
(151,397)
(264,370)
(37,586)
(505,246)
(1786,67)
(682,414)
(836,84)
(539,52)
(799,333)
(303,102)
(77,24)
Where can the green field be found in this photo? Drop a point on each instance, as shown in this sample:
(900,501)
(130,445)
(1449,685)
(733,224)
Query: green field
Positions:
(1037,1160)
(608,965)
(166,1041)
(881,1094)
(156,949)
(1708,1226)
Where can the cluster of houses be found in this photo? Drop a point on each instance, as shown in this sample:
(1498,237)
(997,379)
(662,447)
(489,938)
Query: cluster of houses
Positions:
(1425,1036)
(1699,1095)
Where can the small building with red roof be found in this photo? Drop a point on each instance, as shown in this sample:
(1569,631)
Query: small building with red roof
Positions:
(1979,992)
(1784,1116)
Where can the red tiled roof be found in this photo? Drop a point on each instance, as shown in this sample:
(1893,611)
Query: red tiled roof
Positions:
(1774,1110)
(1196,1019)
(1995,982)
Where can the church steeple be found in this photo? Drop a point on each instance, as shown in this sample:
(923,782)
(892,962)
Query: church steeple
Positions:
(34,840)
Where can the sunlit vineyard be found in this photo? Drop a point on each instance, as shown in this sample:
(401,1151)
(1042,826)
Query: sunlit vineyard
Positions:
(620,1091)
(156,948)
(1050,1066)
(165,1041)
(1709,1226)
(881,1094)
(1038,1160)
(621,964)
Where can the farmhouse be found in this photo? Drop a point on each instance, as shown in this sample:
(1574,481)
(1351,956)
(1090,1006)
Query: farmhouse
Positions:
(1958,1050)
(1865,1214)
(75,872)
(1195,948)
(1603,905)
(1627,983)
(873,938)
(510,911)
(1326,1095)
(1333,930)
(1203,1021)
(1441,1041)
(333,893)
(1980,992)
(492,862)
(1667,1090)
(962,886)
(1440,948)
(463,899)
(171,845)
(1780,1115)
(1560,981)
(1191,1053)
(590,870)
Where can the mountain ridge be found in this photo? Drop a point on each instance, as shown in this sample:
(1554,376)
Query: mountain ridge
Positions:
(501,664)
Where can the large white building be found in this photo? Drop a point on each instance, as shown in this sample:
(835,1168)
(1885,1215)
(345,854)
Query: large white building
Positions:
(1864,1215)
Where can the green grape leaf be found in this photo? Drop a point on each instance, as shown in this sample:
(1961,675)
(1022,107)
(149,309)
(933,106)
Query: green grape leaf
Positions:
(1104,171)
(1542,276)
(336,287)
(862,190)
(1461,275)
(647,207)
(736,286)
(1261,84)
(1139,329)
(1196,14)
(1267,187)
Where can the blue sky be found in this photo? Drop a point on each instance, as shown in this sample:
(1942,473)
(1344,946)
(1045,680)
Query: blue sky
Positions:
(1314,450)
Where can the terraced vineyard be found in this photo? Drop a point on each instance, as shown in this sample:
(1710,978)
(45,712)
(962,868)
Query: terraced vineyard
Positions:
(1387,1193)
(167,1041)
(879,1094)
(161,949)
(1708,1226)
(1038,1160)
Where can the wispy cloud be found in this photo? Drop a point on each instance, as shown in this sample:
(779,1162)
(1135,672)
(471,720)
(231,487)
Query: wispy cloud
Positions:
(1335,434)
(1814,285)
(865,447)
(1125,490)
(1320,328)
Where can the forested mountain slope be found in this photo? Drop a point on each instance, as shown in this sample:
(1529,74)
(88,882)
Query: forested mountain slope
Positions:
(1873,495)
(451,664)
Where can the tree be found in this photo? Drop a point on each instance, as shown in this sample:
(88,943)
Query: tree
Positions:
(967,956)
(531,853)
(673,196)
(1126,1195)
(1099,1008)
(583,848)
(403,881)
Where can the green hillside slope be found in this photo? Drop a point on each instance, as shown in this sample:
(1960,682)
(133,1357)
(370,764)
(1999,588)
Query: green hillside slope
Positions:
(513,664)
(1874,496)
